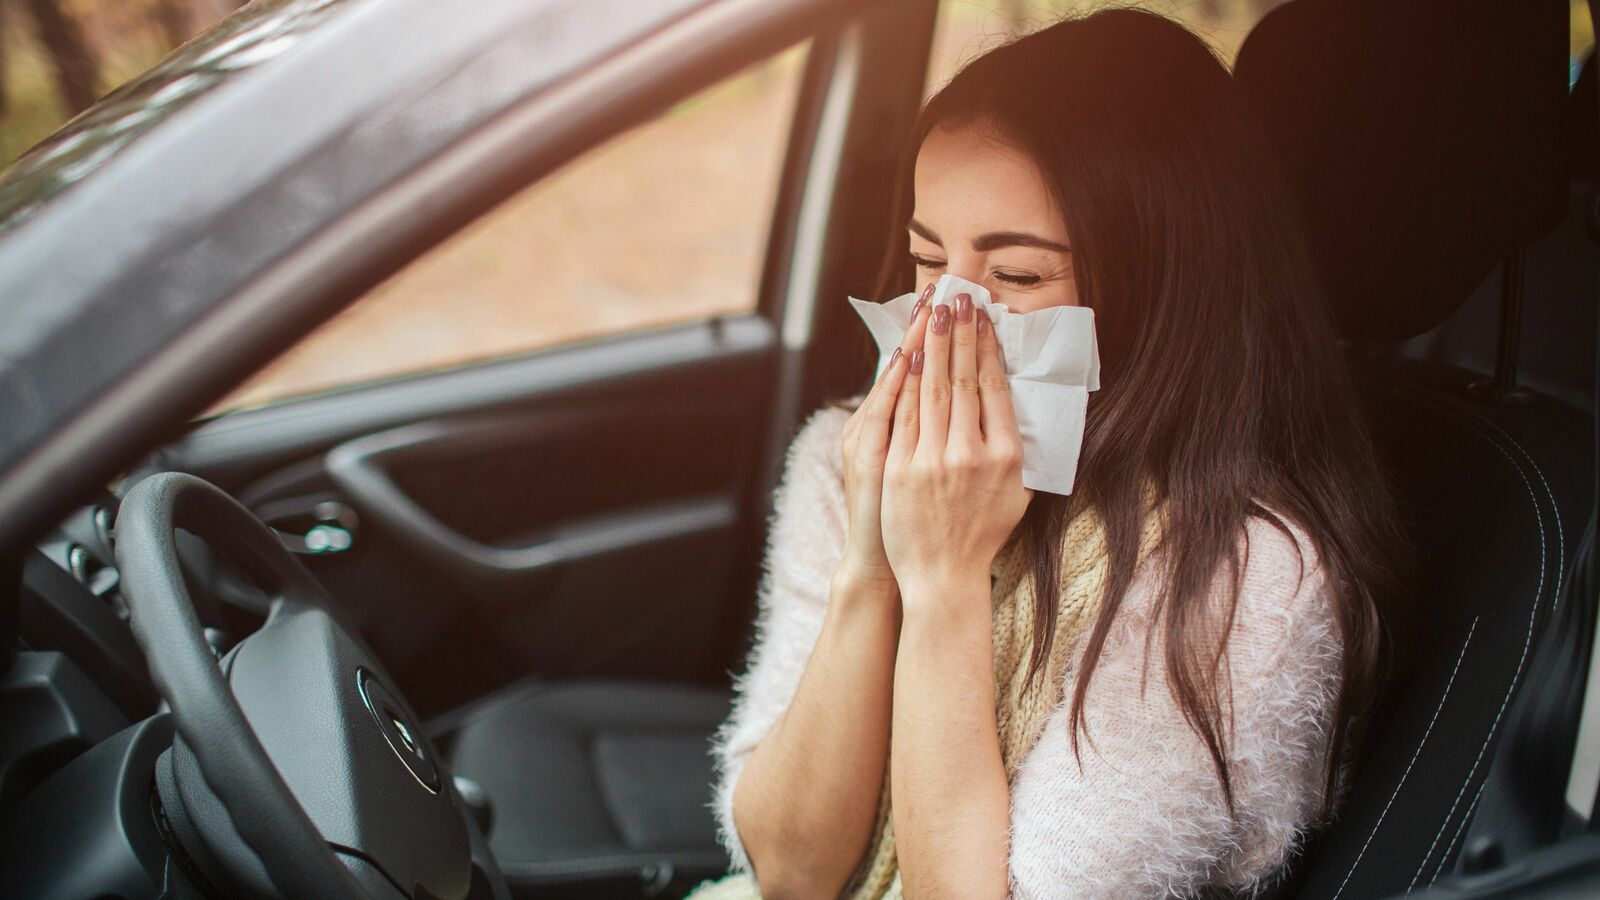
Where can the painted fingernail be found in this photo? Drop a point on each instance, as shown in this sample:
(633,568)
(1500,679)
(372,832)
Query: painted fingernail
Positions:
(916,362)
(941,318)
(893,358)
(917,307)
(964,307)
(983,324)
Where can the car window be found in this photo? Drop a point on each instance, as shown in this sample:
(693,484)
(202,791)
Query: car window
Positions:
(664,224)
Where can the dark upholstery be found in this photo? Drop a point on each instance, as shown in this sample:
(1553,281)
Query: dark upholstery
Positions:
(1425,139)
(1425,142)
(595,780)
(1497,496)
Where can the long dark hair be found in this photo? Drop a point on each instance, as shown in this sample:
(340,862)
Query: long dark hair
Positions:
(1222,378)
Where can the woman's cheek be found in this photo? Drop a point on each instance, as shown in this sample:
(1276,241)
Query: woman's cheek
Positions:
(1020,302)
(1043,297)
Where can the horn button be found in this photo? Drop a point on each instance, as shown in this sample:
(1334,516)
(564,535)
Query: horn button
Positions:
(397,730)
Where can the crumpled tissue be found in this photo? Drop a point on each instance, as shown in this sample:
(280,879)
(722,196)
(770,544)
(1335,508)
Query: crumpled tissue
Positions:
(1052,363)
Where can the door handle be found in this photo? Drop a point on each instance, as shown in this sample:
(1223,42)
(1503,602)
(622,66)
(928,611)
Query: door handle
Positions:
(314,525)
(356,467)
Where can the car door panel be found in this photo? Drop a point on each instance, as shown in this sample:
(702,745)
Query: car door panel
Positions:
(511,519)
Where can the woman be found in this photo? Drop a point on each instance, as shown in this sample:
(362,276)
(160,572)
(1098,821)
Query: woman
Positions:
(1225,569)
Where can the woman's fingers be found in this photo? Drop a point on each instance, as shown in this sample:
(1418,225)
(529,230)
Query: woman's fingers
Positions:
(875,419)
(922,303)
(964,400)
(934,393)
(874,433)
(911,340)
(907,411)
(999,418)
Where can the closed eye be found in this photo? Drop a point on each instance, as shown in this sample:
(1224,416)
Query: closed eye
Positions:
(927,262)
(1017,279)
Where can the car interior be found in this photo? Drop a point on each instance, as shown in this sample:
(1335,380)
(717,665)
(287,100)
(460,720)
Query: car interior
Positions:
(556,555)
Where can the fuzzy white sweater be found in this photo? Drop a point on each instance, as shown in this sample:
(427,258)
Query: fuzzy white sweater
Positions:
(1145,815)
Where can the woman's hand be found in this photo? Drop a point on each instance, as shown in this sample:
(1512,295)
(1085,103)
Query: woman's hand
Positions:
(952,490)
(866,445)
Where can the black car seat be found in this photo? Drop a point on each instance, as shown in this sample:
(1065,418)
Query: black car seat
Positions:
(1428,144)
(599,788)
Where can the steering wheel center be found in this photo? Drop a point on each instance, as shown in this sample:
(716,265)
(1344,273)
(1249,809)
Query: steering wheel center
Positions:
(394,723)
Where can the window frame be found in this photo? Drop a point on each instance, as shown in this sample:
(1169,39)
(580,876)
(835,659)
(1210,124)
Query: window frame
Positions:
(108,417)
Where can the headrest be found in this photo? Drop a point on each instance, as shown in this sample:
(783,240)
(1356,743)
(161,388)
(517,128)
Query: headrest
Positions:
(1425,140)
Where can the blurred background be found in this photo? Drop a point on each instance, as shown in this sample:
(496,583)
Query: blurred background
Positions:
(663,224)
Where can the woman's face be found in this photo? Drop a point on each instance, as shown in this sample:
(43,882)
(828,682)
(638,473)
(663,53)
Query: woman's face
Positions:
(983,212)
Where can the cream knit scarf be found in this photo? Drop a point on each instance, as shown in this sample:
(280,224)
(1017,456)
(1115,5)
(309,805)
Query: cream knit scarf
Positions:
(1021,705)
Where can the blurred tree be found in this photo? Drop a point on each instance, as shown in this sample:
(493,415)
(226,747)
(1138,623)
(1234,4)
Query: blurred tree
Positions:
(76,68)
(3,36)
(174,18)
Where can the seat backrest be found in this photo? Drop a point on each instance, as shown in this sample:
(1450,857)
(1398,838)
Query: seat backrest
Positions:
(1495,496)
(1425,142)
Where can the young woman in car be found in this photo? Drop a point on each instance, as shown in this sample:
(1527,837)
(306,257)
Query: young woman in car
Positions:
(1185,707)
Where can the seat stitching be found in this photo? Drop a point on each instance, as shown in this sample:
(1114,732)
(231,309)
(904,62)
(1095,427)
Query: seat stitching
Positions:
(1460,830)
(1516,677)
(1407,773)
(1527,641)
(1561,559)
(1550,494)
(1555,508)
(1464,418)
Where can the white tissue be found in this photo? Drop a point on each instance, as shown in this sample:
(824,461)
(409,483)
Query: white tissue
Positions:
(1052,363)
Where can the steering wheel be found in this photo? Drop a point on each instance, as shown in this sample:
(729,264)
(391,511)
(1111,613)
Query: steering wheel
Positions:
(297,769)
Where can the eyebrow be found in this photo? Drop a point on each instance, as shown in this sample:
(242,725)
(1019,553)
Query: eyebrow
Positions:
(994,240)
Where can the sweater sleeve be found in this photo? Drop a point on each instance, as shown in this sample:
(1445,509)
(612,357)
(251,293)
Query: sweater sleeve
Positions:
(1145,816)
(805,543)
